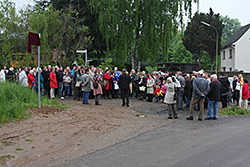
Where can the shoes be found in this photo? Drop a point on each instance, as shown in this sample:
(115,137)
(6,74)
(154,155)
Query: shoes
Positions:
(199,119)
(123,104)
(208,118)
(74,98)
(214,118)
(162,101)
(83,103)
(109,97)
(190,118)
(170,117)
(175,117)
(98,104)
(62,98)
(127,105)
(105,97)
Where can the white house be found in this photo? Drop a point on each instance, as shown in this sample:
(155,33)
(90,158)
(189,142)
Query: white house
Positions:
(235,53)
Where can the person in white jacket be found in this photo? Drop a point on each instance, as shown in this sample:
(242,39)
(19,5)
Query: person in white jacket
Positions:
(2,76)
(23,80)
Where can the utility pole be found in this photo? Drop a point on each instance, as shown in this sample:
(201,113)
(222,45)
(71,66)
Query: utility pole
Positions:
(198,6)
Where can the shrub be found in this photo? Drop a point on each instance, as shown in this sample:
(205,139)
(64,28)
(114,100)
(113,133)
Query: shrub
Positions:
(15,99)
(234,110)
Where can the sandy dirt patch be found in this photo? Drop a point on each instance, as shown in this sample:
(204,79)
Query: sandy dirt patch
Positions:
(52,136)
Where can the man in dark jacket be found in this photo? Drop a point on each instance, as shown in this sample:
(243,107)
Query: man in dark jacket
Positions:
(225,89)
(124,81)
(213,97)
(59,78)
(45,75)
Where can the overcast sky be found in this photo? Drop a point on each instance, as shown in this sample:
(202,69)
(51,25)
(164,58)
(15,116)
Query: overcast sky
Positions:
(234,9)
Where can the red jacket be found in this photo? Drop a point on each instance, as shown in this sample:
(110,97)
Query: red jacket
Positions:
(245,91)
(107,77)
(31,79)
(156,91)
(53,81)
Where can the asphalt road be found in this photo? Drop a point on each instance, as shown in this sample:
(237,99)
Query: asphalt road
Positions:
(223,142)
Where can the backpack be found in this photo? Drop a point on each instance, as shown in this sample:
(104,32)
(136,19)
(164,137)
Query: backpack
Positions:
(95,83)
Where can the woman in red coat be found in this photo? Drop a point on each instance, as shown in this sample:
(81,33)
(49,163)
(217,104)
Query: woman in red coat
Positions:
(31,79)
(245,94)
(107,84)
(53,83)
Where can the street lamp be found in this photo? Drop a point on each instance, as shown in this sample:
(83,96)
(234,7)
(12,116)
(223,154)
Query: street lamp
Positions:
(209,25)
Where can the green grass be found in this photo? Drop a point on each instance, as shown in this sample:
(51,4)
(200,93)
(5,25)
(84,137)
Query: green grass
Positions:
(30,140)
(7,143)
(19,149)
(234,110)
(15,99)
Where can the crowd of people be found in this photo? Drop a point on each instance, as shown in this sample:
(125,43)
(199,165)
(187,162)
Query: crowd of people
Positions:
(198,90)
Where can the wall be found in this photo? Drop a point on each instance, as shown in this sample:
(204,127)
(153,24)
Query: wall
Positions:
(242,52)
(227,62)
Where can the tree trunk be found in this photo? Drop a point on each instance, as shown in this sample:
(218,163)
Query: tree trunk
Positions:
(132,59)
(212,63)
(199,57)
(139,66)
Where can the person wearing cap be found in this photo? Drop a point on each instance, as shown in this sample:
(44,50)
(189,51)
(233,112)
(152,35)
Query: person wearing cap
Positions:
(200,90)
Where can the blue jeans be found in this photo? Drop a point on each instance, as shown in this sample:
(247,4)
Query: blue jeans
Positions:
(59,89)
(66,90)
(157,98)
(85,97)
(187,98)
(212,105)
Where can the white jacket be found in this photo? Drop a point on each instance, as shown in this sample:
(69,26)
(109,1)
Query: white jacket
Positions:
(23,80)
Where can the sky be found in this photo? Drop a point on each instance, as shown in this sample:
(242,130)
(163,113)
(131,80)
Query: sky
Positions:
(234,9)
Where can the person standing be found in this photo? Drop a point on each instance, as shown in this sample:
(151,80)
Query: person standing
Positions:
(85,81)
(91,75)
(53,83)
(39,71)
(45,75)
(169,98)
(245,94)
(187,88)
(97,91)
(23,80)
(124,81)
(180,91)
(200,90)
(213,97)
(107,83)
(225,89)
(150,88)
(59,77)
(31,79)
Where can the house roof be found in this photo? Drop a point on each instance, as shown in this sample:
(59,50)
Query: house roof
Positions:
(236,36)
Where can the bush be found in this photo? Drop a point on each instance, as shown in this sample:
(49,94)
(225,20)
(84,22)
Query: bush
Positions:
(15,99)
(234,110)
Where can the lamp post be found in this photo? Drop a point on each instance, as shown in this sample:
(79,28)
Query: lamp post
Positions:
(209,25)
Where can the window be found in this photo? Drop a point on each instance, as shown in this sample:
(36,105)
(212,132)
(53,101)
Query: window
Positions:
(224,55)
(230,54)
(230,69)
(224,69)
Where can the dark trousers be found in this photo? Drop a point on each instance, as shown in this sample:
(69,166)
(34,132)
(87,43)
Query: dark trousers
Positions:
(150,97)
(97,98)
(106,93)
(179,99)
(237,96)
(124,94)
(77,92)
(224,101)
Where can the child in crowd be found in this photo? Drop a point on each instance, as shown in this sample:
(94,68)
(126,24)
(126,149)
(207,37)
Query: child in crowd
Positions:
(164,90)
(66,81)
(157,94)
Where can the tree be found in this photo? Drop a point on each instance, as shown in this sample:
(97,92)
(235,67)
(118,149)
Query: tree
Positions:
(61,34)
(230,27)
(138,28)
(180,54)
(199,37)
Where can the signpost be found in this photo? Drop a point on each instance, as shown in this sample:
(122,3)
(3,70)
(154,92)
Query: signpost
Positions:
(86,55)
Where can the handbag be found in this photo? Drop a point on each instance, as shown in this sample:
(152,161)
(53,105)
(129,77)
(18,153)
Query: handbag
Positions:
(78,83)
(142,88)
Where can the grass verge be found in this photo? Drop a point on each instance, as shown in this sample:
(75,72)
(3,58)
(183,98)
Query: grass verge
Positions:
(234,110)
(15,99)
